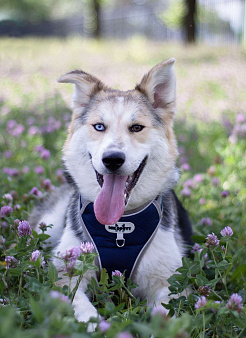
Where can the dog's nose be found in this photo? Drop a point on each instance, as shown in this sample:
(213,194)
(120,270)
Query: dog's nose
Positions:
(113,160)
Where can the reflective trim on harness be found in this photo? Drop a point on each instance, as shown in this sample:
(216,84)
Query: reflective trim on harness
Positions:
(120,246)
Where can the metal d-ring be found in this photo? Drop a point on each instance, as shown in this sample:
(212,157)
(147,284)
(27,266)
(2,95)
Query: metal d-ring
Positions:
(120,237)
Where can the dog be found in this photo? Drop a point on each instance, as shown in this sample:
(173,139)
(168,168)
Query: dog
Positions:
(120,163)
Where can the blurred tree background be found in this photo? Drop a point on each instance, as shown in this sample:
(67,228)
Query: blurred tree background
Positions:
(177,20)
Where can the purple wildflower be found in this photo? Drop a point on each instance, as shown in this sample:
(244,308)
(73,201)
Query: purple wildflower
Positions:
(206,221)
(104,326)
(30,121)
(186,192)
(2,240)
(212,241)
(39,148)
(45,154)
(159,310)
(4,225)
(34,191)
(117,273)
(35,255)
(202,201)
(202,301)
(8,154)
(10,262)
(33,130)
(42,226)
(224,193)
(185,166)
(195,248)
(205,257)
(11,171)
(25,170)
(11,124)
(57,295)
(59,175)
(227,231)
(66,117)
(182,138)
(223,248)
(16,222)
(86,247)
(6,210)
(71,254)
(125,334)
(188,184)
(70,257)
(240,118)
(39,170)
(8,198)
(18,130)
(47,185)
(198,178)
(215,181)
(24,229)
(235,303)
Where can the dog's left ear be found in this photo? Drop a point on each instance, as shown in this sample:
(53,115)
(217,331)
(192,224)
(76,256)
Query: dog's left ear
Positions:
(159,85)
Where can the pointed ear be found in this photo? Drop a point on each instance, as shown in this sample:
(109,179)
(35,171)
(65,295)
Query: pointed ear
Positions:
(159,85)
(86,86)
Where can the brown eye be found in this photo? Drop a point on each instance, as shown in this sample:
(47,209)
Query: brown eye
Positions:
(136,128)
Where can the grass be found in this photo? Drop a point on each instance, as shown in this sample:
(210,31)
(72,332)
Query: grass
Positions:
(211,130)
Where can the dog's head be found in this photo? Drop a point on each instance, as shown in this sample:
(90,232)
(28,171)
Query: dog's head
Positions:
(121,150)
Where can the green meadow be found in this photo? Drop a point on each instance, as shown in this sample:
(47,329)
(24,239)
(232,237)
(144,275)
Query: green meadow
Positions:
(209,288)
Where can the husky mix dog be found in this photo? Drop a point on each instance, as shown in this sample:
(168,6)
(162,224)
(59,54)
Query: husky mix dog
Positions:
(120,163)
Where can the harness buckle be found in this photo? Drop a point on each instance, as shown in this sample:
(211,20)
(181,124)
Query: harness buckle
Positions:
(120,238)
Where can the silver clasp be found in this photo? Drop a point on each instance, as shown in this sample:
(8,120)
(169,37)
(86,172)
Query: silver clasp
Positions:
(120,237)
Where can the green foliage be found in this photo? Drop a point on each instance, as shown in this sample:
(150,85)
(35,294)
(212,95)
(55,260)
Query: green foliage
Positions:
(28,9)
(174,15)
(31,302)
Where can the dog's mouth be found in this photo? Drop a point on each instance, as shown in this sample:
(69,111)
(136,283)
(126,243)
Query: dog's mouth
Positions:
(114,195)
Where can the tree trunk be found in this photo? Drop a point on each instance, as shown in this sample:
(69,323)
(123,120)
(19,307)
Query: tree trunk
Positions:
(96,10)
(189,20)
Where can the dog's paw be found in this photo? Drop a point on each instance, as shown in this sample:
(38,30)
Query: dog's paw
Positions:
(84,314)
(92,327)
(159,309)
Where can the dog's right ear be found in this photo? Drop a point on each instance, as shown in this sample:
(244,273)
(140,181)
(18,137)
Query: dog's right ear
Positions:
(86,86)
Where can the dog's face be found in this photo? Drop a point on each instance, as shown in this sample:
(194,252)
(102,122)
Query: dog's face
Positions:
(121,151)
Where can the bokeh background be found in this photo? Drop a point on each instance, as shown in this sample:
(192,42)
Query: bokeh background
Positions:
(118,41)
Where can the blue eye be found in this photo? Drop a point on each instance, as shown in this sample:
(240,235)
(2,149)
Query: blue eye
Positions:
(99,127)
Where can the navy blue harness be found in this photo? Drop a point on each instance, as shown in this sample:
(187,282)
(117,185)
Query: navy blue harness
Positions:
(120,246)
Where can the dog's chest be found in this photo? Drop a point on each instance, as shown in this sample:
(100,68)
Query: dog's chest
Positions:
(120,246)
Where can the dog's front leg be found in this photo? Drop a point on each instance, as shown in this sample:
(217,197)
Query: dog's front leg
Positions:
(159,297)
(83,308)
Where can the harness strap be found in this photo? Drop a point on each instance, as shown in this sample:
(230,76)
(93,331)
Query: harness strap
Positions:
(121,245)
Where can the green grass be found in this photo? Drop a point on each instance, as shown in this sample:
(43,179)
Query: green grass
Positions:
(212,140)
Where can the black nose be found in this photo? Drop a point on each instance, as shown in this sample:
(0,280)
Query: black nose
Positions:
(113,160)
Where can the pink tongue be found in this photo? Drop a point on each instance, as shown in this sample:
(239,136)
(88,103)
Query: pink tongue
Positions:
(110,205)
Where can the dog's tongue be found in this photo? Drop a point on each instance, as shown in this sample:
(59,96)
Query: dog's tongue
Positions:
(110,205)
